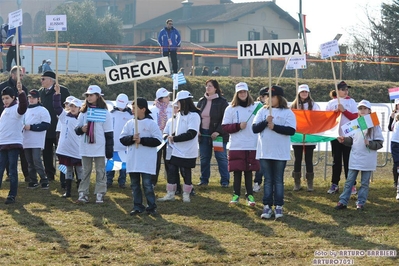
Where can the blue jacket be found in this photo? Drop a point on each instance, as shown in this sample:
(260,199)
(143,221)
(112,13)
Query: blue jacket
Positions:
(173,34)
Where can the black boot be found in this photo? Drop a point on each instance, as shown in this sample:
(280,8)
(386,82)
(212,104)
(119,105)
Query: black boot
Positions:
(68,185)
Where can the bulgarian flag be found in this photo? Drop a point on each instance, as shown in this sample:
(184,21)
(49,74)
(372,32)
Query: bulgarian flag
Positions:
(218,144)
(316,126)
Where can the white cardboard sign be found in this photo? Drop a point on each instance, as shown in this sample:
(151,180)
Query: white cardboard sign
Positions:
(296,63)
(56,23)
(329,49)
(138,70)
(270,49)
(15,19)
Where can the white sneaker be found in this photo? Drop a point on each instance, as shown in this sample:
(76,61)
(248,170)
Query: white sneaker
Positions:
(267,212)
(278,211)
(99,198)
(256,187)
(83,198)
(397,196)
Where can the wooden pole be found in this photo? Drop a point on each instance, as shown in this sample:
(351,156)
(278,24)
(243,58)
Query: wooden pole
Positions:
(335,79)
(252,67)
(56,57)
(270,86)
(32,59)
(67,58)
(192,65)
(296,79)
(282,70)
(136,125)
(17,52)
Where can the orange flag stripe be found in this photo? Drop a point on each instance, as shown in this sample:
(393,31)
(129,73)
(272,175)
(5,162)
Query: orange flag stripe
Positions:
(311,122)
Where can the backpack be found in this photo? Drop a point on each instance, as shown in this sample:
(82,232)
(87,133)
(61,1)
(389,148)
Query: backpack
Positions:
(3,33)
(40,69)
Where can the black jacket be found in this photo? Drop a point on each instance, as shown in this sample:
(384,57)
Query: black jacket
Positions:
(46,98)
(12,84)
(217,112)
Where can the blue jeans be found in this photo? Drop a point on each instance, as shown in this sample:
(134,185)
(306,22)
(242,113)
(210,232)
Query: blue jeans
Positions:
(121,179)
(273,187)
(138,194)
(205,148)
(350,182)
(10,157)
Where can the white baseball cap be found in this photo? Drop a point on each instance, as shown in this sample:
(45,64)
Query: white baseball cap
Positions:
(364,103)
(303,87)
(181,95)
(242,86)
(69,99)
(121,101)
(76,102)
(48,60)
(162,92)
(93,89)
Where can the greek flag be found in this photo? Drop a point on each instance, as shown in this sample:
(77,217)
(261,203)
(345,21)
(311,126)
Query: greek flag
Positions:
(118,162)
(62,168)
(96,114)
(178,79)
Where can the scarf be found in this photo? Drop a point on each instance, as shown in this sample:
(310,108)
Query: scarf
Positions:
(90,129)
(162,116)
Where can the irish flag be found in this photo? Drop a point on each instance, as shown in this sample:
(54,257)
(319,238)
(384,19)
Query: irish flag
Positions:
(218,144)
(316,126)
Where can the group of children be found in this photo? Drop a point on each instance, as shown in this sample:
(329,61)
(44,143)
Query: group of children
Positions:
(259,141)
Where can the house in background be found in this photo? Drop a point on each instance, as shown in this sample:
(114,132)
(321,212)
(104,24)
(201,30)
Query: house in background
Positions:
(219,27)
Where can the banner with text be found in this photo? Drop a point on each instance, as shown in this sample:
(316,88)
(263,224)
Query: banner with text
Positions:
(270,49)
(15,19)
(138,70)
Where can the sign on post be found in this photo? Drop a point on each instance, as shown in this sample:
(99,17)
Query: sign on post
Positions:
(329,49)
(270,49)
(138,70)
(15,19)
(56,23)
(296,62)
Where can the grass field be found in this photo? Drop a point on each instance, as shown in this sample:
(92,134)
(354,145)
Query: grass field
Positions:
(44,229)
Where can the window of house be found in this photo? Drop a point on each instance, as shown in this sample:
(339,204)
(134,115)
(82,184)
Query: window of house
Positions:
(129,13)
(274,36)
(253,35)
(202,36)
(151,34)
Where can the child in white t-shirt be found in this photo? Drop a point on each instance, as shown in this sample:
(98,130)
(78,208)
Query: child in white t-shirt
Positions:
(37,120)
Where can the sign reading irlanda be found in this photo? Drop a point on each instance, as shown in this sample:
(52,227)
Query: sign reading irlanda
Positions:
(270,48)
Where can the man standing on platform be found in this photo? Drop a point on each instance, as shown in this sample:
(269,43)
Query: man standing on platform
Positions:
(169,40)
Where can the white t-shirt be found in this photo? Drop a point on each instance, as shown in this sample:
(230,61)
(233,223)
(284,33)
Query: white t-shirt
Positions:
(244,139)
(272,145)
(68,144)
(141,159)
(348,103)
(36,115)
(186,149)
(361,158)
(11,125)
(96,149)
(119,119)
(395,132)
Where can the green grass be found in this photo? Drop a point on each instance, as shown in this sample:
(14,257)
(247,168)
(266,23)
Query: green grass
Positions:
(44,229)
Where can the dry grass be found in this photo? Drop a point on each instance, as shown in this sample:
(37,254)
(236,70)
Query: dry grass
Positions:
(44,229)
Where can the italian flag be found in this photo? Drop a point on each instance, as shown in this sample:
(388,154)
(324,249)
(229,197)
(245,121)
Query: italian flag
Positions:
(316,126)
(218,144)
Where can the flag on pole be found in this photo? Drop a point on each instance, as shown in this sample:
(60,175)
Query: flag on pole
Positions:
(178,79)
(302,21)
(96,114)
(118,162)
(368,121)
(62,168)
(361,123)
(316,126)
(393,93)
(218,144)
(257,108)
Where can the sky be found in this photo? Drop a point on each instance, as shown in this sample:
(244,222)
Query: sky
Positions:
(325,19)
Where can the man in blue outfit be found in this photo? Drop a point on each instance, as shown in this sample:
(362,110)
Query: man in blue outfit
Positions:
(169,40)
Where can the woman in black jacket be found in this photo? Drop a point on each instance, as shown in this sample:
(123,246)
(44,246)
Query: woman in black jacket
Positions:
(212,107)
